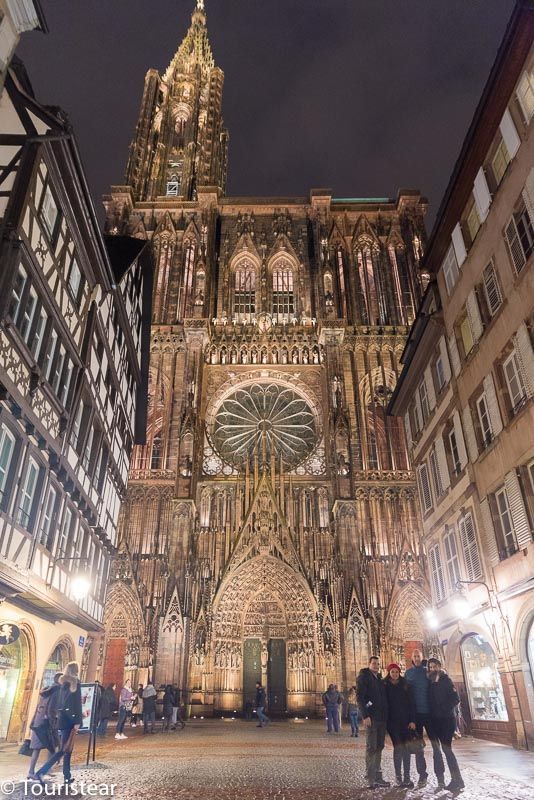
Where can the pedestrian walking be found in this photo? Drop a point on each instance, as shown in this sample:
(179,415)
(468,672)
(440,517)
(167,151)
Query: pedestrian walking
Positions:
(417,677)
(108,704)
(44,731)
(260,706)
(332,701)
(372,702)
(149,708)
(401,723)
(69,720)
(354,714)
(125,706)
(443,699)
(168,702)
(137,707)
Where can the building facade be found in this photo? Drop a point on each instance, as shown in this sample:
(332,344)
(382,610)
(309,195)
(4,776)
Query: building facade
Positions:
(270,529)
(17,17)
(466,393)
(73,334)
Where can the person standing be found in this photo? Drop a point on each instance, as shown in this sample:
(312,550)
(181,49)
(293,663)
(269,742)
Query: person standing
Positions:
(149,707)
(69,720)
(417,677)
(125,706)
(332,701)
(372,702)
(443,699)
(354,714)
(401,720)
(137,707)
(44,733)
(108,704)
(168,703)
(260,706)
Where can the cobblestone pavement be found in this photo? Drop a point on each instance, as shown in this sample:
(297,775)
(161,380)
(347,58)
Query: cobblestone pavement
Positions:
(216,760)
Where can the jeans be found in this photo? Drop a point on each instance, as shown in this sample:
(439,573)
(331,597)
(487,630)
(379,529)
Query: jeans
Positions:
(424,721)
(332,718)
(375,739)
(401,755)
(262,716)
(149,718)
(64,736)
(444,728)
(354,721)
(102,727)
(123,714)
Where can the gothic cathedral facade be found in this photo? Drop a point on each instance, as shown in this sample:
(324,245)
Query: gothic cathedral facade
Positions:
(270,529)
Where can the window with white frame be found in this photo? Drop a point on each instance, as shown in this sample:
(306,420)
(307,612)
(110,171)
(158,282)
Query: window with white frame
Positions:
(423,399)
(17,293)
(7,450)
(88,449)
(25,321)
(455,454)
(64,539)
(38,337)
(484,420)
(75,282)
(440,373)
(424,488)
(450,269)
(514,382)
(500,161)
(505,523)
(28,492)
(436,573)
(466,527)
(451,556)
(520,237)
(472,221)
(49,212)
(525,94)
(466,335)
(436,477)
(47,531)
(492,291)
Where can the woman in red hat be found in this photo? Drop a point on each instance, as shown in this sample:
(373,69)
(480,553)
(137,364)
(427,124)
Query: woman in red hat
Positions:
(401,721)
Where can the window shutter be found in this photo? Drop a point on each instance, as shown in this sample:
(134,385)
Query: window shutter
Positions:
(514,245)
(470,547)
(408,430)
(509,134)
(436,571)
(458,244)
(517,509)
(490,542)
(455,355)
(445,359)
(525,354)
(491,288)
(481,194)
(493,405)
(525,95)
(528,195)
(443,467)
(470,437)
(430,388)
(424,487)
(473,313)
(458,432)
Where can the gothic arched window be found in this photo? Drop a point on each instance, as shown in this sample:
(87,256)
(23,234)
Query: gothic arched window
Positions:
(245,292)
(374,310)
(189,262)
(157,451)
(283,297)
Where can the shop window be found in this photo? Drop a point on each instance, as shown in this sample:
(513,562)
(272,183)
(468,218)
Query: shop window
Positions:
(10,678)
(56,663)
(482,680)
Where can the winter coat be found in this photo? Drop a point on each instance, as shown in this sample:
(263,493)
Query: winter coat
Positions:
(149,699)
(401,706)
(372,698)
(70,703)
(44,723)
(126,698)
(332,698)
(417,677)
(260,697)
(168,702)
(108,703)
(442,696)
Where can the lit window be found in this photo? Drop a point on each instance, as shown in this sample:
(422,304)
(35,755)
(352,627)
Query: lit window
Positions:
(245,293)
(473,222)
(525,94)
(283,301)
(500,161)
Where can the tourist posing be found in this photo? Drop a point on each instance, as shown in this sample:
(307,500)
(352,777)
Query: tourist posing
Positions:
(373,705)
(417,677)
(401,722)
(125,707)
(69,720)
(108,704)
(44,730)
(332,701)
(443,699)
(354,714)
(260,706)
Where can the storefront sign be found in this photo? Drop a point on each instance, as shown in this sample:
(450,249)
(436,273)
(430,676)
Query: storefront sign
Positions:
(89,697)
(9,633)
(81,641)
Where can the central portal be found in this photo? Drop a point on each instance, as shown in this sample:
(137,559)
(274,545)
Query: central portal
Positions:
(276,677)
(273,672)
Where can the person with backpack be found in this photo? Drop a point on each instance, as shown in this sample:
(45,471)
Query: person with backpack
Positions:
(401,723)
(332,701)
(443,699)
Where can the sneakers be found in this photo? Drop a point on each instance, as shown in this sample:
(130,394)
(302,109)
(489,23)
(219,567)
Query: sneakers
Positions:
(382,784)
(120,736)
(134,725)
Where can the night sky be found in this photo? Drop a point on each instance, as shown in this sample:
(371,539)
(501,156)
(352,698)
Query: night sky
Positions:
(361,96)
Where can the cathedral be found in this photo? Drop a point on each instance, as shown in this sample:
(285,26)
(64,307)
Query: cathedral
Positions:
(270,529)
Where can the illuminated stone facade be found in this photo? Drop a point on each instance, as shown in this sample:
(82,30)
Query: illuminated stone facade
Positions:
(271,528)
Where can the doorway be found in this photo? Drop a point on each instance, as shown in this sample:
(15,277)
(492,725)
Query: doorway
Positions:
(276,677)
(251,673)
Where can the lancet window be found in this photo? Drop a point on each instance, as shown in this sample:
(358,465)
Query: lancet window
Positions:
(283,297)
(374,310)
(245,292)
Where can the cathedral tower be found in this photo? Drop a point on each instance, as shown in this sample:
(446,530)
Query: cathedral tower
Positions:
(270,529)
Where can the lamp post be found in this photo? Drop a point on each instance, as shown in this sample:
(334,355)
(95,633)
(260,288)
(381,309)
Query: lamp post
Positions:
(80,584)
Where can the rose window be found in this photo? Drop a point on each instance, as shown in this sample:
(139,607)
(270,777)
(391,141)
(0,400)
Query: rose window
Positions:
(262,419)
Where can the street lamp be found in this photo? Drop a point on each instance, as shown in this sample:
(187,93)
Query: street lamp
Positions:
(80,585)
(431,619)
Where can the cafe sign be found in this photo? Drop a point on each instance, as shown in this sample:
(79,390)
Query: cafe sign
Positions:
(9,633)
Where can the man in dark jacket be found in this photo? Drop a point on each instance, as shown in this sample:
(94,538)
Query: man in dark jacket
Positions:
(108,704)
(417,677)
(332,700)
(149,707)
(443,699)
(260,705)
(372,702)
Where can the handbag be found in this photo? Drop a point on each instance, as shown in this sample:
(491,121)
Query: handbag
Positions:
(415,743)
(25,749)
(45,734)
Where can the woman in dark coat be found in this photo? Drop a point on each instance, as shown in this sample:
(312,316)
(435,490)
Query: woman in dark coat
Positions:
(108,704)
(168,704)
(401,721)
(443,699)
(69,720)
(44,724)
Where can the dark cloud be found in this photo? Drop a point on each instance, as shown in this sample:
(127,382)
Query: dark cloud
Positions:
(363,96)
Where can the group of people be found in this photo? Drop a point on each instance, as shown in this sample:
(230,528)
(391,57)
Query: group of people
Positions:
(138,705)
(423,701)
